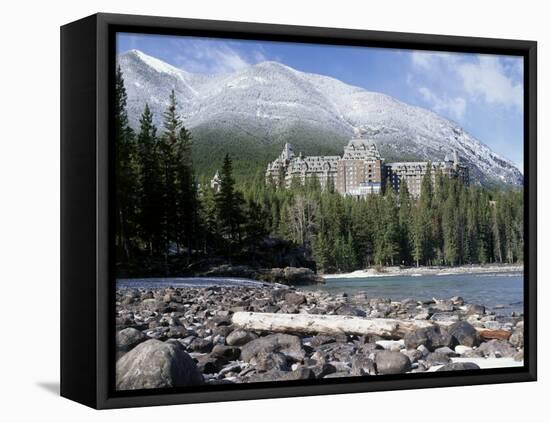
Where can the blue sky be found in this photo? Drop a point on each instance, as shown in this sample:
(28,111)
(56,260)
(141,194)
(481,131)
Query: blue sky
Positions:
(482,93)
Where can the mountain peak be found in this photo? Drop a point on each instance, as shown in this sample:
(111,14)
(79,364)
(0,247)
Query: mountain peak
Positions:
(271,64)
(153,63)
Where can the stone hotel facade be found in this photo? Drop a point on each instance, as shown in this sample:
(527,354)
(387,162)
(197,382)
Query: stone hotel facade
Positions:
(360,171)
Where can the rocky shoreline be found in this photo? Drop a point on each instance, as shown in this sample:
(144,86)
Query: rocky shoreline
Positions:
(186,336)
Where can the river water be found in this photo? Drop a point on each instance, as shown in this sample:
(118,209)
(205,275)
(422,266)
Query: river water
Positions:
(501,292)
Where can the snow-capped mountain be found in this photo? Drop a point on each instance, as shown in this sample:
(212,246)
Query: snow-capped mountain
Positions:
(269,99)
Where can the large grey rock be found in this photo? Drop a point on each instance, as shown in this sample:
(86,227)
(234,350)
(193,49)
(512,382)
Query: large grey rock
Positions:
(239,337)
(209,364)
(321,370)
(432,338)
(458,366)
(439,337)
(293,298)
(464,334)
(496,348)
(227,352)
(415,338)
(289,345)
(391,362)
(267,361)
(155,364)
(128,338)
(200,345)
(362,365)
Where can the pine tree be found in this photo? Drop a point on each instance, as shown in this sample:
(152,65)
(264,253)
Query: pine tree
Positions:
(149,183)
(229,204)
(126,173)
(255,226)
(405,223)
(450,229)
(322,252)
(390,231)
(180,208)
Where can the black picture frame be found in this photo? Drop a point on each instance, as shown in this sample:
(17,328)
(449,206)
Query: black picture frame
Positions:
(87,304)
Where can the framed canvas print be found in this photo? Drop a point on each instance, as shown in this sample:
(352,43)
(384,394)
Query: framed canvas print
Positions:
(255,211)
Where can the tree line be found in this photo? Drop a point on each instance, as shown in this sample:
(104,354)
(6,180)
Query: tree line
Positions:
(165,216)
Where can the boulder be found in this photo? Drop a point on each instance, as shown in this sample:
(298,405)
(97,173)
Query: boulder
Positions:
(209,364)
(414,355)
(321,370)
(154,364)
(177,332)
(458,366)
(496,348)
(267,361)
(293,298)
(415,338)
(128,338)
(391,362)
(200,345)
(227,352)
(439,337)
(432,338)
(464,334)
(289,345)
(362,365)
(240,337)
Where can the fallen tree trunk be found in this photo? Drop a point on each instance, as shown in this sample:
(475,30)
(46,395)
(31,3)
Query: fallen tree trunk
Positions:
(326,324)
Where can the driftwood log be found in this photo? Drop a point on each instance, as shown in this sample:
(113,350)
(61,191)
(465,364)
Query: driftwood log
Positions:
(326,324)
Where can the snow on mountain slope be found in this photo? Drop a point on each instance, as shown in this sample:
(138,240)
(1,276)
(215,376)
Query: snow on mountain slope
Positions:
(269,98)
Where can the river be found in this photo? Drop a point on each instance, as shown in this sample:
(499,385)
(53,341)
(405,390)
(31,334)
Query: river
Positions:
(500,292)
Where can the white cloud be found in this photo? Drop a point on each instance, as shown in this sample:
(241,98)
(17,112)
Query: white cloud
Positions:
(494,80)
(487,80)
(215,57)
(453,107)
(427,60)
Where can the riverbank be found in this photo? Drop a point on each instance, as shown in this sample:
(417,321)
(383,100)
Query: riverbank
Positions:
(179,336)
(426,271)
